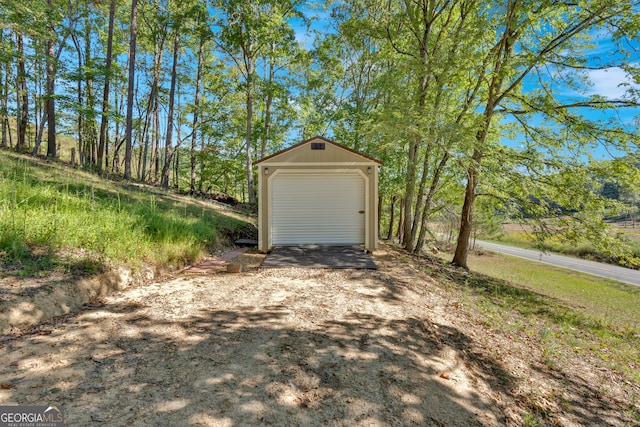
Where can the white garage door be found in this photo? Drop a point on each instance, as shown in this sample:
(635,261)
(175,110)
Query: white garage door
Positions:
(317,208)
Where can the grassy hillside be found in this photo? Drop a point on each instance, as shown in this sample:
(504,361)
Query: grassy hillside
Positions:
(55,217)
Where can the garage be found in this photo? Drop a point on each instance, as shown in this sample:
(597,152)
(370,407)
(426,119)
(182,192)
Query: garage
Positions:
(317,192)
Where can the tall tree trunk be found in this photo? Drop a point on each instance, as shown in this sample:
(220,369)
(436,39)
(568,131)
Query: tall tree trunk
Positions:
(116,156)
(435,182)
(23,96)
(196,108)
(473,174)
(267,114)
(409,191)
(392,211)
(40,111)
(105,93)
(4,94)
(37,97)
(130,90)
(419,202)
(115,162)
(51,102)
(146,136)
(154,117)
(3,99)
(90,136)
(40,133)
(503,56)
(141,153)
(145,156)
(202,147)
(176,166)
(408,236)
(40,114)
(414,148)
(156,140)
(155,149)
(379,216)
(466,219)
(80,123)
(401,219)
(249,129)
(166,169)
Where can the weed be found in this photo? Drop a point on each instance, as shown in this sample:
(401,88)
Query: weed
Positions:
(550,357)
(530,420)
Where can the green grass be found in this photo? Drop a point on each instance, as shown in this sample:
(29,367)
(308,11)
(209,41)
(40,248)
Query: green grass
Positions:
(52,216)
(565,311)
(606,301)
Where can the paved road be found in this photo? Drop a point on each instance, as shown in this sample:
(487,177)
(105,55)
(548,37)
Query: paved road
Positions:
(590,267)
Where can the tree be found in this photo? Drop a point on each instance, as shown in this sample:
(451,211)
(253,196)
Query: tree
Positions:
(428,90)
(196,112)
(131,89)
(23,95)
(107,81)
(519,50)
(459,69)
(166,169)
(248,30)
(4,90)
(156,28)
(51,106)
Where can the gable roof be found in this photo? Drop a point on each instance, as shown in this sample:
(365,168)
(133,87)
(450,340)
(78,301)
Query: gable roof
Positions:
(323,139)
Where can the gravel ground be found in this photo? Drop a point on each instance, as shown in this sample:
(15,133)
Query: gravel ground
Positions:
(276,347)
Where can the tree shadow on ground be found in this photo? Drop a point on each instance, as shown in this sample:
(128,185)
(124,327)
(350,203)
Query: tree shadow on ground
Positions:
(577,393)
(508,296)
(267,364)
(250,367)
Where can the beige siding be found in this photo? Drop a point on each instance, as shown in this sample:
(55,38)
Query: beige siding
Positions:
(305,154)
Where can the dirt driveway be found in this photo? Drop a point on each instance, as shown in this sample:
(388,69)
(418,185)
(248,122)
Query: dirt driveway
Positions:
(267,347)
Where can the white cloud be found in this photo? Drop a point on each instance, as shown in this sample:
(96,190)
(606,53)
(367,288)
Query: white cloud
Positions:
(609,82)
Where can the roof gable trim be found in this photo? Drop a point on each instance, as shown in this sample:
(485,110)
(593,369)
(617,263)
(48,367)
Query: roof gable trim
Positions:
(323,139)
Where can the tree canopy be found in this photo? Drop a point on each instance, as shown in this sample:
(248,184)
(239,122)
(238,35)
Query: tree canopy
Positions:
(466,102)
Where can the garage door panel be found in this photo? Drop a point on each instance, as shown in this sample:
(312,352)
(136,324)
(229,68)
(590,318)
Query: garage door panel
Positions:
(318,208)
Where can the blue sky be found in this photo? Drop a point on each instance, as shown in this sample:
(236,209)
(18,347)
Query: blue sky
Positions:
(610,83)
